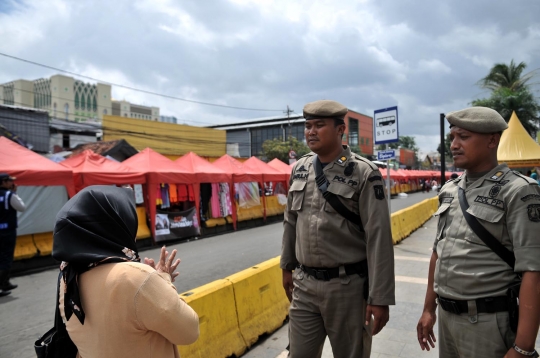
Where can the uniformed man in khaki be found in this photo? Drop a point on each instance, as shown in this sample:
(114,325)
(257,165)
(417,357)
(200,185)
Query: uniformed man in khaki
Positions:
(332,257)
(466,278)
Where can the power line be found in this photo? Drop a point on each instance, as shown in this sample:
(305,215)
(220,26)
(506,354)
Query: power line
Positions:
(137,89)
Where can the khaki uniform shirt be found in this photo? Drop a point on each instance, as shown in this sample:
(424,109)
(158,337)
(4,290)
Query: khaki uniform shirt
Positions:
(315,235)
(507,204)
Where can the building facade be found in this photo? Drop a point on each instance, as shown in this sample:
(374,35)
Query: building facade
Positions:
(66,98)
(245,139)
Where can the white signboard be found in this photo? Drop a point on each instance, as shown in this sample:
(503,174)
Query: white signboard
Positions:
(386,154)
(385,125)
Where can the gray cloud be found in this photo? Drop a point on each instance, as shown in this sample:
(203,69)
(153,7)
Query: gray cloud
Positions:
(423,56)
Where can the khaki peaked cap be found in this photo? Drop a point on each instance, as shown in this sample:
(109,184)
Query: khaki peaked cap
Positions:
(477,119)
(325,109)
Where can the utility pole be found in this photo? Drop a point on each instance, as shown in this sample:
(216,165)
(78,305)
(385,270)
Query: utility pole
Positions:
(288,111)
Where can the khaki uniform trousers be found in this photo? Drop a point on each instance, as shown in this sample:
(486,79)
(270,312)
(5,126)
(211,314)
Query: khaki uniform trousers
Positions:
(489,337)
(335,308)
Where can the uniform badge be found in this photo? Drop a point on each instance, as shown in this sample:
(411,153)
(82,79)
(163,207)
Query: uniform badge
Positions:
(446,199)
(302,169)
(530,197)
(379,191)
(342,160)
(495,190)
(533,211)
(350,169)
(497,175)
(375,177)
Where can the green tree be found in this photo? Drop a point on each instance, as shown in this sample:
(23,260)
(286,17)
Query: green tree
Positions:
(507,76)
(511,91)
(406,142)
(277,148)
(505,101)
(447,143)
(356,149)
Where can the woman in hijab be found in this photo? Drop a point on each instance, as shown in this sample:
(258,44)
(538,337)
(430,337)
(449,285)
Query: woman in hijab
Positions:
(113,305)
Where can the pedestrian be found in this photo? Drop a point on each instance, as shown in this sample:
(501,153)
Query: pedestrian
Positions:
(487,244)
(113,305)
(10,203)
(338,242)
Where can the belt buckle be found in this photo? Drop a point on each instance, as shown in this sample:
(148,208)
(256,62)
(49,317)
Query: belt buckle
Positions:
(322,275)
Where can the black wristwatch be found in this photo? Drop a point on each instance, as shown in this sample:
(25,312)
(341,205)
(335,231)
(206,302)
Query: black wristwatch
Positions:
(533,354)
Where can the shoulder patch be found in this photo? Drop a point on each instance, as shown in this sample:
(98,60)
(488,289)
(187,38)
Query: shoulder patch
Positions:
(533,211)
(379,191)
(375,177)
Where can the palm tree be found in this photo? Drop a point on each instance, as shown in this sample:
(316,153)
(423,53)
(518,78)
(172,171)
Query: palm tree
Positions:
(507,76)
(511,91)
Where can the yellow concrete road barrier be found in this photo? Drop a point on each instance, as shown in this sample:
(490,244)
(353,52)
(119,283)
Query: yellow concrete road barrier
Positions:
(44,243)
(24,247)
(220,335)
(397,235)
(261,303)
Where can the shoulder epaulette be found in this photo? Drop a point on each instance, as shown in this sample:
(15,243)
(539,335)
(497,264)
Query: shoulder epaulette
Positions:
(524,177)
(367,161)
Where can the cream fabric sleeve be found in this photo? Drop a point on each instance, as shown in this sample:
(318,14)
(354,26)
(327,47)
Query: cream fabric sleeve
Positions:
(159,308)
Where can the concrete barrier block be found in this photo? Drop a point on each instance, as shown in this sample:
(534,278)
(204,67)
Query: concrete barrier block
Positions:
(143,231)
(44,243)
(397,235)
(25,248)
(261,303)
(220,335)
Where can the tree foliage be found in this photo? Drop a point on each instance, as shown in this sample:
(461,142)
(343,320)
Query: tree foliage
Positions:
(405,141)
(277,148)
(507,76)
(505,101)
(447,143)
(511,91)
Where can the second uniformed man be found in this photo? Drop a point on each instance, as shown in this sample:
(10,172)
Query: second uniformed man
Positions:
(337,240)
(470,282)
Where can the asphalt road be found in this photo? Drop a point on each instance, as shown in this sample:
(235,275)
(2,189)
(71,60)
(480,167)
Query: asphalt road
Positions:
(29,311)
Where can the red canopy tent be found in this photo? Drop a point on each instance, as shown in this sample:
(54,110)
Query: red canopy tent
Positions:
(239,175)
(158,169)
(279,165)
(90,168)
(33,169)
(205,172)
(269,174)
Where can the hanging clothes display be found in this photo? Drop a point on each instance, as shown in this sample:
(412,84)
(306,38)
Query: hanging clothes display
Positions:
(182,191)
(216,211)
(225,199)
(139,197)
(173,194)
(248,194)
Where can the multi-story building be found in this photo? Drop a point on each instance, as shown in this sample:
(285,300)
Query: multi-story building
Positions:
(66,98)
(168,119)
(245,139)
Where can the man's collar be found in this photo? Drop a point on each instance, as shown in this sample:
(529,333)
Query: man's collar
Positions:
(494,175)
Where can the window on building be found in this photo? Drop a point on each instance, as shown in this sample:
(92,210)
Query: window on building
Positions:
(353,132)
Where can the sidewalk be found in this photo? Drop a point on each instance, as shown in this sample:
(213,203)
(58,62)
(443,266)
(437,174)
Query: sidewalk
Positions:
(398,338)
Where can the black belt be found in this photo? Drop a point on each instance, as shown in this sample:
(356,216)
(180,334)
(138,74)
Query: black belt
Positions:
(483,305)
(326,274)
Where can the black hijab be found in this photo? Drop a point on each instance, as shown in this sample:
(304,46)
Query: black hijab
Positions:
(97,226)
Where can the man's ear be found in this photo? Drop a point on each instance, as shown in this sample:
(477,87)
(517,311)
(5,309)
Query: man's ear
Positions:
(494,140)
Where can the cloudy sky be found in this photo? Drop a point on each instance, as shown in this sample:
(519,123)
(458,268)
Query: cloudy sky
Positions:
(424,56)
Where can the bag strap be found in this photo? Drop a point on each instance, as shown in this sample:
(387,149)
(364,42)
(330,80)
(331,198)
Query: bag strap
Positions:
(332,199)
(484,235)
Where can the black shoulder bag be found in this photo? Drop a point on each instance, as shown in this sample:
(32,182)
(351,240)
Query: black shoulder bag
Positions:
(56,342)
(501,251)
(332,199)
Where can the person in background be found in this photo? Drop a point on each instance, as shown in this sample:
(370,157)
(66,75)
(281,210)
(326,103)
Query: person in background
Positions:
(535,177)
(113,305)
(468,280)
(10,203)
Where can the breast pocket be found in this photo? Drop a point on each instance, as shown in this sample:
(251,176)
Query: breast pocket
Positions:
(297,191)
(345,193)
(489,218)
(442,215)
